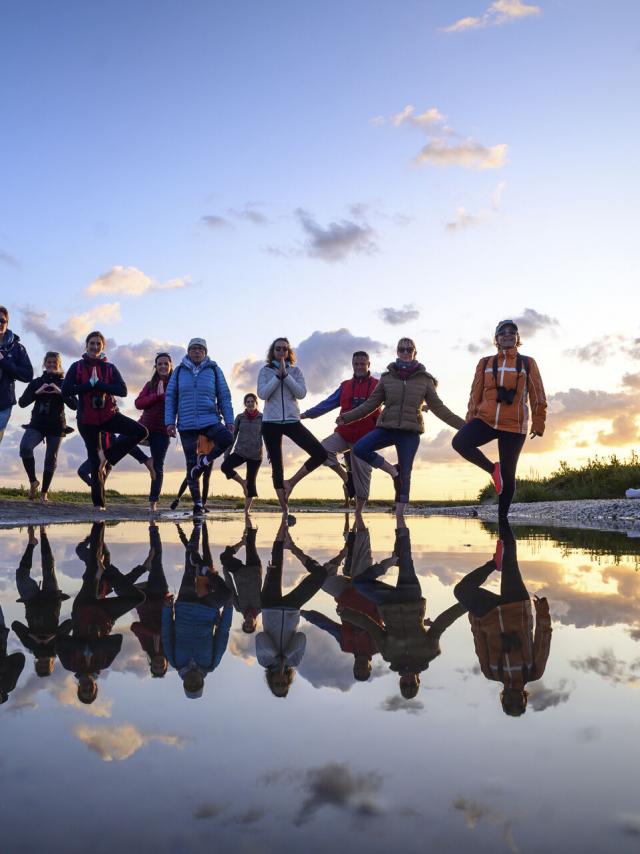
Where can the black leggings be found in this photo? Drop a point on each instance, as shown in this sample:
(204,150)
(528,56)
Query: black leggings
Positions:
(480,602)
(30,440)
(272,433)
(232,462)
(91,433)
(475,433)
(272,596)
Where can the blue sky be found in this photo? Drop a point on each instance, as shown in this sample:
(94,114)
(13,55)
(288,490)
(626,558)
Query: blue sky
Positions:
(256,154)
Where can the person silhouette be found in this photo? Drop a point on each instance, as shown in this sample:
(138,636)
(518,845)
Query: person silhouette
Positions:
(42,605)
(402,639)
(89,647)
(502,624)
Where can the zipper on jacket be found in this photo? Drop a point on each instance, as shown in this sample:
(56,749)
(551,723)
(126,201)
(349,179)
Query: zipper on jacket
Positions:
(404,389)
(504,363)
(282,395)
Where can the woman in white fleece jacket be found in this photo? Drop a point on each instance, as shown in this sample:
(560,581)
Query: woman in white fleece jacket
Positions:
(281,385)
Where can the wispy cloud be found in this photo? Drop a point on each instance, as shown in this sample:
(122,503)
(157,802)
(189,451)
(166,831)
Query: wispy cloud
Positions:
(530,322)
(119,742)
(611,668)
(336,241)
(541,697)
(467,154)
(465,219)
(475,812)
(396,703)
(9,260)
(336,785)
(399,316)
(129,281)
(499,12)
(214,221)
(445,147)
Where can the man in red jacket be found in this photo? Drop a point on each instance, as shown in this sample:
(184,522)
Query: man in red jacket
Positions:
(347,396)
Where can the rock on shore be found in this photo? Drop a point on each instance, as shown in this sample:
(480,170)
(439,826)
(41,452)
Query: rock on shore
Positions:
(606,515)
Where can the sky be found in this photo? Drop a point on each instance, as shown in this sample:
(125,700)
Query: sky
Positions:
(340,173)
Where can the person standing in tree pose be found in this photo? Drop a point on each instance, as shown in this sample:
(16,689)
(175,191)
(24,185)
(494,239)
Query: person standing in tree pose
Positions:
(48,423)
(197,396)
(498,410)
(14,365)
(281,385)
(349,395)
(247,449)
(403,389)
(151,400)
(97,383)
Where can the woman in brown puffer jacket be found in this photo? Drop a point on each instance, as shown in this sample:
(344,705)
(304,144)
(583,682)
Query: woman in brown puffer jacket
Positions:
(403,389)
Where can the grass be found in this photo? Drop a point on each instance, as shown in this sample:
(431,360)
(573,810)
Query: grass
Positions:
(600,477)
(229,501)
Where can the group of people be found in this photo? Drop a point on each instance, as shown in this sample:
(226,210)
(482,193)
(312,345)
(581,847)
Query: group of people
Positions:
(194,401)
(190,632)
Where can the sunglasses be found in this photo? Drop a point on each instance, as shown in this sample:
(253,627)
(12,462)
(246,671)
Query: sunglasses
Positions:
(405,349)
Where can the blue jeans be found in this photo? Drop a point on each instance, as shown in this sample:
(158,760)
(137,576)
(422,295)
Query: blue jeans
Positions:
(406,446)
(158,445)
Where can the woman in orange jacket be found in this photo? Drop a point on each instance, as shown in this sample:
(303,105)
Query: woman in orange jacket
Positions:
(504,386)
(508,649)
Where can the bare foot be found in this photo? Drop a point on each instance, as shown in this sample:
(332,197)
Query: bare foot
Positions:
(44,499)
(34,486)
(152,471)
(103,462)
(153,506)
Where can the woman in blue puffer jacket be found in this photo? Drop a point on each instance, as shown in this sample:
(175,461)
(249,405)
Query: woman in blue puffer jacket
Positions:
(198,397)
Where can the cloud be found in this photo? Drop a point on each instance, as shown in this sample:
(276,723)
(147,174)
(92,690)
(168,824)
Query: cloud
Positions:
(130,281)
(68,338)
(541,697)
(120,741)
(336,785)
(396,703)
(134,361)
(611,668)
(323,356)
(427,119)
(338,240)
(63,688)
(624,431)
(467,154)
(499,12)
(245,373)
(531,321)
(463,219)
(399,316)
(629,823)
(9,260)
(475,811)
(632,381)
(213,221)
(249,214)
(208,810)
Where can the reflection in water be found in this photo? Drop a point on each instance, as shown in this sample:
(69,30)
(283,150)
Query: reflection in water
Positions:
(11,666)
(398,630)
(195,629)
(42,605)
(280,646)
(87,646)
(348,760)
(502,624)
(148,629)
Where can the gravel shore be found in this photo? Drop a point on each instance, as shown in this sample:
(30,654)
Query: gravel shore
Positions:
(604,515)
